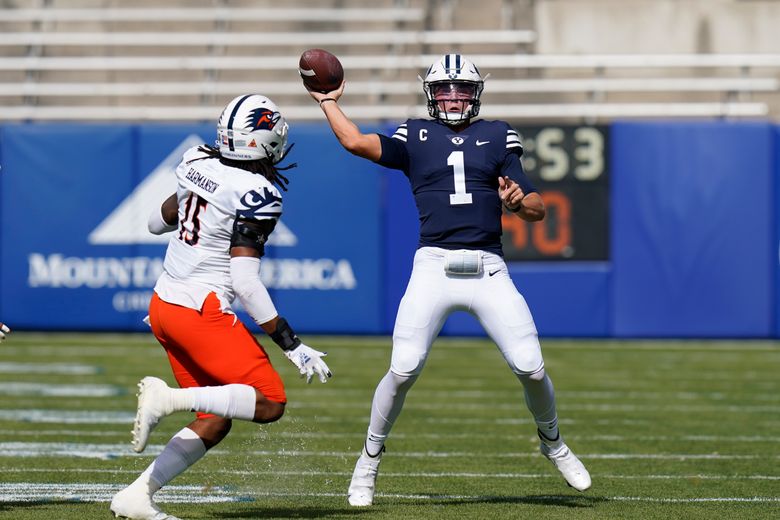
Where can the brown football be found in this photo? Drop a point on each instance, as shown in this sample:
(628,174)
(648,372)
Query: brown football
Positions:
(320,70)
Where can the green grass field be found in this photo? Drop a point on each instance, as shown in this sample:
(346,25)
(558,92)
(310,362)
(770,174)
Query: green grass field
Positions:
(668,429)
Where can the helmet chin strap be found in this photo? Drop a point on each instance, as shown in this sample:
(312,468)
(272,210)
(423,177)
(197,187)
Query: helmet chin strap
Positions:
(465,115)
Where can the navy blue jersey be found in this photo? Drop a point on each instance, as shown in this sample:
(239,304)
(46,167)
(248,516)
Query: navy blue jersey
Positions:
(454,178)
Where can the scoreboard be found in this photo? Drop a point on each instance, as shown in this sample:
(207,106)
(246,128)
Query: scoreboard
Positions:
(569,165)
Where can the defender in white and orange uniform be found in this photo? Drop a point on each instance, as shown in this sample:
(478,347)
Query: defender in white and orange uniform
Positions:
(226,204)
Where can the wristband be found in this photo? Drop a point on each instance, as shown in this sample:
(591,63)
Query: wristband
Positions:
(326,99)
(284,336)
(518,209)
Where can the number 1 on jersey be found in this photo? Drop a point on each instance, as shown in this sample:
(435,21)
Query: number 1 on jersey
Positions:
(460,196)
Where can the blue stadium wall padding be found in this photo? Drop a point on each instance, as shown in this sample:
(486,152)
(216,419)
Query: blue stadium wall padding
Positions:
(695,250)
(691,228)
(3,218)
(59,181)
(565,299)
(75,253)
(776,224)
(334,208)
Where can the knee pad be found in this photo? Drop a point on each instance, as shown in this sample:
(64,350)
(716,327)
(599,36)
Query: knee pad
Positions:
(525,357)
(408,359)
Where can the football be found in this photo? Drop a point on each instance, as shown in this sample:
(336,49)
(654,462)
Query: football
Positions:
(320,70)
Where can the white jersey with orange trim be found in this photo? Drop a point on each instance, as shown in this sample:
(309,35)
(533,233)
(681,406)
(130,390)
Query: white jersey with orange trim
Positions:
(211,196)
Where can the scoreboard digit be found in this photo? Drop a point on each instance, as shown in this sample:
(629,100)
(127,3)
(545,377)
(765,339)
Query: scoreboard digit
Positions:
(569,166)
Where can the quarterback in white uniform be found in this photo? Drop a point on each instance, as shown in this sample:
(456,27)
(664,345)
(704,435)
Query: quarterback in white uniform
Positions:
(226,204)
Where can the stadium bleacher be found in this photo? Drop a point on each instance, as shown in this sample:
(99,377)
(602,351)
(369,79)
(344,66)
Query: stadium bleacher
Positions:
(143,61)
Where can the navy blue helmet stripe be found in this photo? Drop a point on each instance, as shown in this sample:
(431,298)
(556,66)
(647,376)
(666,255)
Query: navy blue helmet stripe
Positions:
(230,121)
(457,62)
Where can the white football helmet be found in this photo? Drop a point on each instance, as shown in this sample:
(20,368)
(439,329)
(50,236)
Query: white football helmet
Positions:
(453,79)
(250,128)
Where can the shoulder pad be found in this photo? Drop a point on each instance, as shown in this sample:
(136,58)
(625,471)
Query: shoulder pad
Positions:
(260,203)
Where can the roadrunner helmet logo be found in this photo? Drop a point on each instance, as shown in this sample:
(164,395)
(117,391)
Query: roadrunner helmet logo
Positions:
(262,118)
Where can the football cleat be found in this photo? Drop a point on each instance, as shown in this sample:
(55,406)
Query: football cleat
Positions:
(361,488)
(154,403)
(136,503)
(568,464)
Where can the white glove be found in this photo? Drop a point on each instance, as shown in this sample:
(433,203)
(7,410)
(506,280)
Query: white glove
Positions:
(309,362)
(3,331)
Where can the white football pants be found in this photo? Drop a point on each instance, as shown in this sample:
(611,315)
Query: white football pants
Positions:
(432,295)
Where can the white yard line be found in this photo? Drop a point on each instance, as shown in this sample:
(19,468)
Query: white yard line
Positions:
(94,492)
(36,416)
(349,397)
(518,407)
(261,434)
(65,433)
(67,416)
(73,449)
(127,417)
(31,342)
(402,475)
(97,492)
(111,451)
(18,388)
(672,346)
(61,351)
(48,368)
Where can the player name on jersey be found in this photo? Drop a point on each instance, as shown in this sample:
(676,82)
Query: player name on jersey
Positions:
(201,181)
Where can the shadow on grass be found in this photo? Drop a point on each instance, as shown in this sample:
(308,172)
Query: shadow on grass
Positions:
(572,501)
(569,501)
(290,512)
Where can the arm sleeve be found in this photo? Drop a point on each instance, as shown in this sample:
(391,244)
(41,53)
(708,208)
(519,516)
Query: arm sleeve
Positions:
(513,169)
(157,224)
(394,152)
(245,276)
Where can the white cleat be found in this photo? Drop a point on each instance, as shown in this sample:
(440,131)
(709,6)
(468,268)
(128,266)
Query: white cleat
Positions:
(154,403)
(136,503)
(361,488)
(568,464)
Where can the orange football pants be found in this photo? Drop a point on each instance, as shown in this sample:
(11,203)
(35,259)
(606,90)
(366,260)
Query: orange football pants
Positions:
(212,348)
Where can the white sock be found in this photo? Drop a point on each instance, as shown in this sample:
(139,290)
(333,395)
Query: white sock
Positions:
(374,443)
(228,401)
(388,400)
(182,451)
(540,399)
